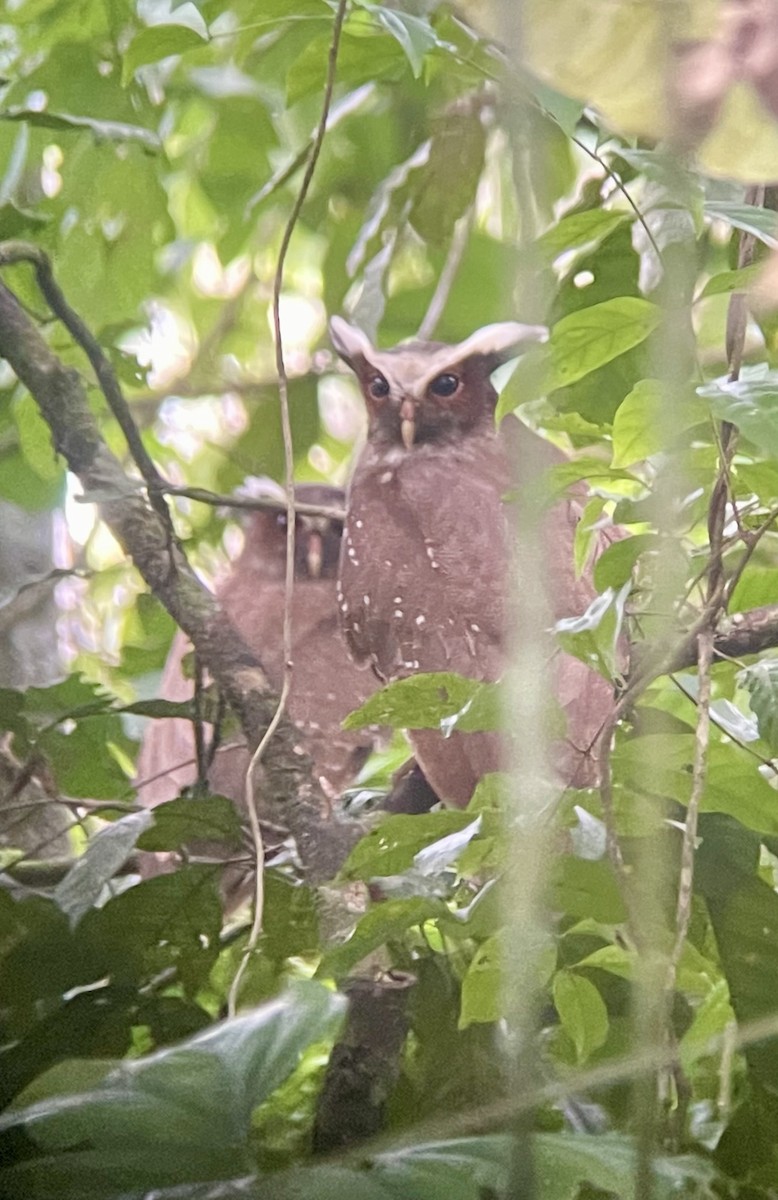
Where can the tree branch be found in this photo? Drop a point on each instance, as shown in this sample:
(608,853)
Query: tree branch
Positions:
(288,788)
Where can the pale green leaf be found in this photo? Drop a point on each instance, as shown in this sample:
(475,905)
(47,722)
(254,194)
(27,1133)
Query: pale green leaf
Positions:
(438,700)
(730,281)
(108,850)
(580,230)
(761,222)
(582,1012)
(587,339)
(594,636)
(102,130)
(751,404)
(156,42)
(414,34)
(761,682)
(615,565)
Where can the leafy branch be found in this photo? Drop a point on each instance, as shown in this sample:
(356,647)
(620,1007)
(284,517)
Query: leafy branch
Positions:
(145,532)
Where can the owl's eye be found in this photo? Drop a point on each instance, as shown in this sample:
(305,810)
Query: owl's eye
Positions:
(444,385)
(378,387)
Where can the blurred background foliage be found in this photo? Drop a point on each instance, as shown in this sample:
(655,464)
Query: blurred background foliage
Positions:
(155,152)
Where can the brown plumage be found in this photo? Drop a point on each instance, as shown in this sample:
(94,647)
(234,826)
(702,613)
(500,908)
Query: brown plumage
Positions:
(427,543)
(325,684)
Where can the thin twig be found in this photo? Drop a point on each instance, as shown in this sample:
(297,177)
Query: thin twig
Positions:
(683,912)
(447,276)
(13,252)
(283,394)
(252,503)
(612,175)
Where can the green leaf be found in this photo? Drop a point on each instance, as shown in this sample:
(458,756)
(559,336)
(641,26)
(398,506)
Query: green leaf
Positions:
(594,637)
(102,130)
(585,340)
(108,850)
(582,1012)
(446,185)
(615,959)
(564,110)
(157,42)
(580,230)
(744,912)
(185,1111)
(186,819)
(414,34)
(615,565)
(382,924)
(730,281)
(640,427)
(438,700)
(761,682)
(749,403)
(392,847)
(583,888)
(566,1166)
(733,786)
(761,222)
(482,986)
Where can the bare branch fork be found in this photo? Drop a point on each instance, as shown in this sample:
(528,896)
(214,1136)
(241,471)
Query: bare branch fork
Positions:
(146,534)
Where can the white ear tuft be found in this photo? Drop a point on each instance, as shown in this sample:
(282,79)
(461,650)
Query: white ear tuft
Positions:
(498,342)
(349,342)
(500,339)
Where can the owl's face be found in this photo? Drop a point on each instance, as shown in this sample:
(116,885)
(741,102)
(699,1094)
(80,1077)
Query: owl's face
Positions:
(317,539)
(423,392)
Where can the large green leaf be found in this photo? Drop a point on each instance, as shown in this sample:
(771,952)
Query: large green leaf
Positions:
(160,41)
(582,1012)
(439,700)
(761,222)
(734,784)
(585,340)
(181,1114)
(640,427)
(106,853)
(761,682)
(595,636)
(751,404)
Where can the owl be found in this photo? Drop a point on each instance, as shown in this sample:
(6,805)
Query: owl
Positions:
(426,551)
(326,686)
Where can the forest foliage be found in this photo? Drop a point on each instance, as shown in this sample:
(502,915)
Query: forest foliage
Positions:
(155,153)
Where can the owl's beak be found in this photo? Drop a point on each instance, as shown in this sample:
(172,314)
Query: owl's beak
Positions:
(313,555)
(407,423)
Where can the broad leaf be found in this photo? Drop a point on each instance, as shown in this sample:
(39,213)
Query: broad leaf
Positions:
(761,682)
(438,700)
(582,1012)
(594,637)
(184,1112)
(158,42)
(761,222)
(640,427)
(108,850)
(585,340)
(749,403)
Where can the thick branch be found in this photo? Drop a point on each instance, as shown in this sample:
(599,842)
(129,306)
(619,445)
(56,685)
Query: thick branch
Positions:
(737,636)
(288,786)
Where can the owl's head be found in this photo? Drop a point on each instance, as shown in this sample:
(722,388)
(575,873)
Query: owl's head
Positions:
(420,392)
(317,539)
